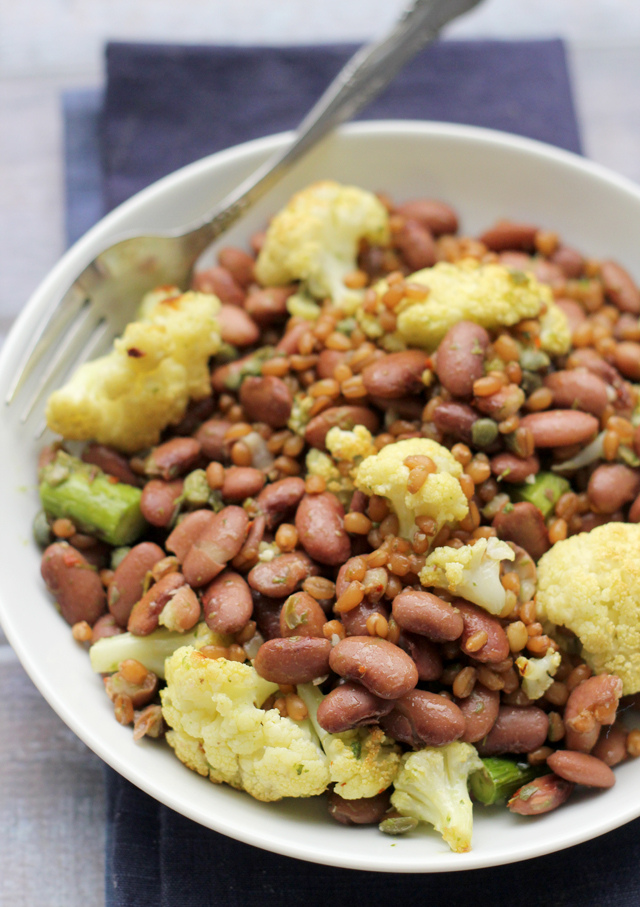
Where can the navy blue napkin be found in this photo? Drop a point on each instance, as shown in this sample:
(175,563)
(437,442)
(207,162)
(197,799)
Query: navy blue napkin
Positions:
(166,106)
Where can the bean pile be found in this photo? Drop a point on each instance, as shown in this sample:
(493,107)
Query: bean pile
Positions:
(307,590)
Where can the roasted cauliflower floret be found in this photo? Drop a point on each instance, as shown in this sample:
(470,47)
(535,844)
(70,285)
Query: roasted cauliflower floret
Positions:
(432,786)
(126,398)
(440,497)
(472,572)
(590,584)
(315,240)
(488,294)
(219,730)
(537,673)
(362,762)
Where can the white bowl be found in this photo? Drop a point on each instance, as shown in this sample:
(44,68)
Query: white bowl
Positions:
(485,175)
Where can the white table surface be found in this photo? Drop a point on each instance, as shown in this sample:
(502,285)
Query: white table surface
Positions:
(51,789)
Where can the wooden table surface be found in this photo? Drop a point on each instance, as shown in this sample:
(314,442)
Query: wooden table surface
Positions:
(51,788)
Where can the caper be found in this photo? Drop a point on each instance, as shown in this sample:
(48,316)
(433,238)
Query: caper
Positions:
(398,825)
(484,432)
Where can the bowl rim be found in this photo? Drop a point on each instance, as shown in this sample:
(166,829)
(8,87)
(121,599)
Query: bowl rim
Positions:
(82,251)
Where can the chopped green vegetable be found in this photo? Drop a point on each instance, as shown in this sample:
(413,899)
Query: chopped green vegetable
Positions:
(500,778)
(544,491)
(93,501)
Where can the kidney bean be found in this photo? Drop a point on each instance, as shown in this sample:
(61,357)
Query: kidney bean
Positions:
(591,360)
(173,458)
(560,427)
(627,358)
(578,390)
(301,615)
(159,501)
(297,659)
(504,403)
(524,525)
(634,511)
(517,261)
(238,263)
(409,408)
(611,746)
(476,619)
(197,412)
(516,730)
(570,260)
(145,613)
(455,419)
(281,576)
(127,585)
(74,583)
(592,703)
(508,234)
(436,216)
(236,326)
(591,520)
(110,461)
(548,272)
(540,796)
(381,667)
(576,315)
(365,811)
(327,362)
(620,287)
(217,544)
(221,283)
(350,705)
(355,621)
(241,482)
(266,399)
(106,626)
(247,557)
(611,486)
(396,374)
(187,532)
(227,603)
(211,438)
(267,305)
(266,613)
(320,525)
(278,500)
(422,719)
(636,441)
(460,357)
(288,343)
(426,614)
(345,417)
(579,768)
(509,468)
(415,244)
(424,653)
(480,710)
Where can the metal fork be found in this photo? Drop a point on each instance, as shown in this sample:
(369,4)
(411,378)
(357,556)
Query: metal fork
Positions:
(95,309)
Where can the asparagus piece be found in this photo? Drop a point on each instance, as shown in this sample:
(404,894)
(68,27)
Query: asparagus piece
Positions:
(500,778)
(92,500)
(544,491)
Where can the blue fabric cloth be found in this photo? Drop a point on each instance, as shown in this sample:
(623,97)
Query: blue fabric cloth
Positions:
(164,107)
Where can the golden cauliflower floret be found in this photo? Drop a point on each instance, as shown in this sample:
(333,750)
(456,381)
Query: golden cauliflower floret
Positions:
(590,583)
(555,334)
(488,294)
(318,463)
(362,762)
(219,729)
(126,398)
(351,445)
(440,498)
(471,571)
(315,239)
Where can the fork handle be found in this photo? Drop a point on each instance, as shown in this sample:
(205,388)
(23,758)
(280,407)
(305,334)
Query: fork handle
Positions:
(359,81)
